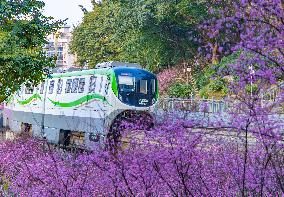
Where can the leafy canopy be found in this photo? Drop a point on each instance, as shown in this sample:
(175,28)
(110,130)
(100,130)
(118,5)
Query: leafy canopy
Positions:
(150,32)
(23,31)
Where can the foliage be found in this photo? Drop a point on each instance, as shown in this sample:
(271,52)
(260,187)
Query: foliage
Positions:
(217,85)
(171,159)
(252,88)
(93,40)
(259,24)
(178,90)
(22,35)
(208,80)
(215,88)
(210,83)
(166,78)
(204,92)
(153,33)
(224,65)
(203,76)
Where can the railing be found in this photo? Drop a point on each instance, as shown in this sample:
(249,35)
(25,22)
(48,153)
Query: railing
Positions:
(272,93)
(193,105)
(212,105)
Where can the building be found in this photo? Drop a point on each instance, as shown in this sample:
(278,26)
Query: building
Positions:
(59,43)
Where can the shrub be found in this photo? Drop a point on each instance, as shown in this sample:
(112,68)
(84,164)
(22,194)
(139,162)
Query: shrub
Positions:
(202,77)
(180,90)
(204,92)
(216,88)
(170,160)
(217,85)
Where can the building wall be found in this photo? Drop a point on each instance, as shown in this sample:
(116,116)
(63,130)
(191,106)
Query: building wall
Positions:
(64,58)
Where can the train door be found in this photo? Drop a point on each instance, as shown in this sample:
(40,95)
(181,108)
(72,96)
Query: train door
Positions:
(42,106)
(78,92)
(63,111)
(96,106)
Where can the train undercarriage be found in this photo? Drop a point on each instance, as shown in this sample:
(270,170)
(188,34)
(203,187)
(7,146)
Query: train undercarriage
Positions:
(118,133)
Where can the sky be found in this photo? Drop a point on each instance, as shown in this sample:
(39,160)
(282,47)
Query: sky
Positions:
(62,9)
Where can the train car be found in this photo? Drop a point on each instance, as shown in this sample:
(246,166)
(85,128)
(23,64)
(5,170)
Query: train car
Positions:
(81,107)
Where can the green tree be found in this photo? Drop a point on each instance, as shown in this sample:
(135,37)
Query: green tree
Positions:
(151,32)
(23,31)
(93,40)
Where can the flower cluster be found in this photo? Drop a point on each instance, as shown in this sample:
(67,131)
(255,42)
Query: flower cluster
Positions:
(166,78)
(173,159)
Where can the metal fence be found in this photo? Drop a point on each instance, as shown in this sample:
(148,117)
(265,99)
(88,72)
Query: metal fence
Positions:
(213,105)
(193,105)
(272,93)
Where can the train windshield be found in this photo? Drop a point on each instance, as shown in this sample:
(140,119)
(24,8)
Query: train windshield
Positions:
(126,83)
(136,87)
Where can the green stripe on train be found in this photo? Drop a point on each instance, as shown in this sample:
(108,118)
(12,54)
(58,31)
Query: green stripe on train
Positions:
(27,101)
(80,101)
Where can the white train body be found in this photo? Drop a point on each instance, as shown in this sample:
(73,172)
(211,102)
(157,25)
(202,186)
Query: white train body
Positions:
(84,103)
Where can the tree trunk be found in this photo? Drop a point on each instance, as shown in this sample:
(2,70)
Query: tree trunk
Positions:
(214,54)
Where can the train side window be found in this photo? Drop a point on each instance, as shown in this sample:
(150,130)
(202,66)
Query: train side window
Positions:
(75,85)
(92,85)
(51,87)
(68,86)
(59,86)
(101,84)
(42,87)
(143,86)
(153,86)
(20,91)
(29,89)
(106,87)
(81,85)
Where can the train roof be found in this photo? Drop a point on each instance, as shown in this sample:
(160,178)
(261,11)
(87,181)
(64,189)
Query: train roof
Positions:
(134,71)
(104,68)
(101,71)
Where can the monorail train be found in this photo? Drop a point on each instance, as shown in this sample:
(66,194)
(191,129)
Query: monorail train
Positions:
(80,107)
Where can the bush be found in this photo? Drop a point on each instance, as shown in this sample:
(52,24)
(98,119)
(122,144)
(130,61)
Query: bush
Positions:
(216,88)
(180,90)
(202,77)
(154,164)
(204,92)
(204,82)
(217,85)
(254,88)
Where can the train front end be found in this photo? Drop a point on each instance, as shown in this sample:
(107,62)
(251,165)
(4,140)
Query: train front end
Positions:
(136,87)
(136,92)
